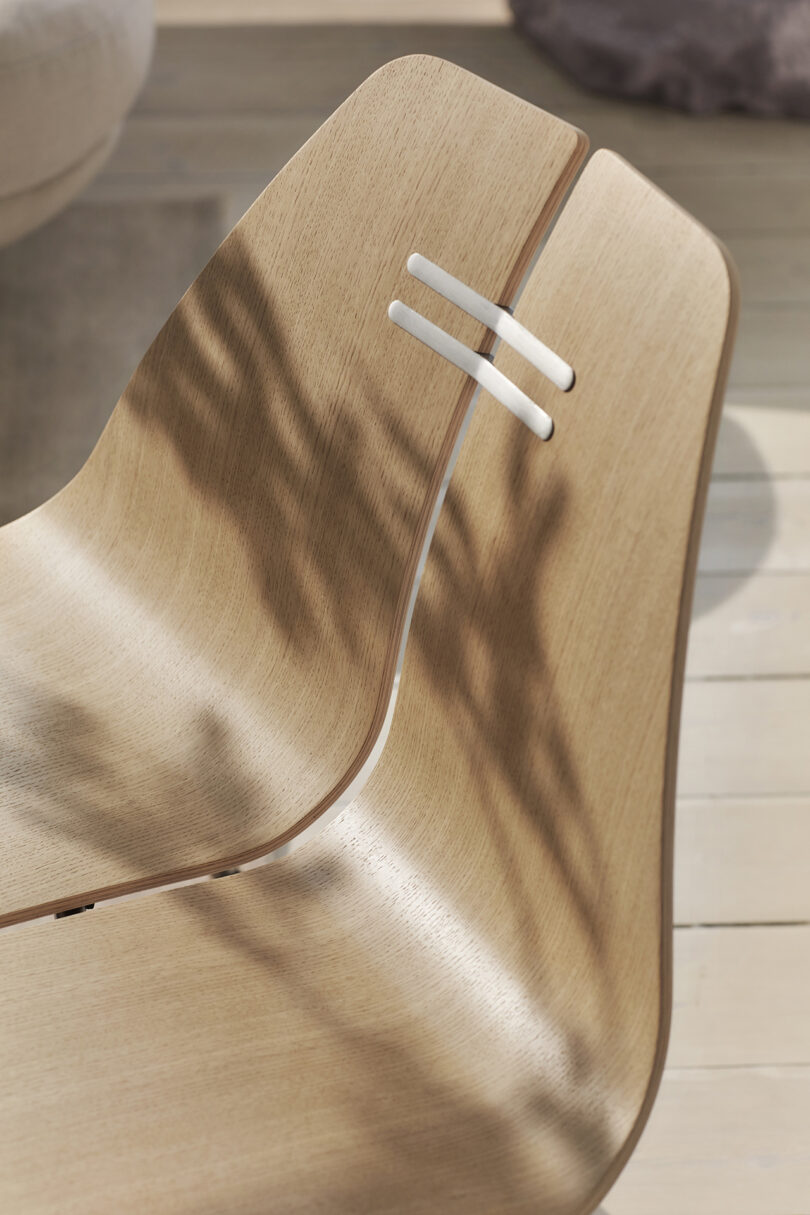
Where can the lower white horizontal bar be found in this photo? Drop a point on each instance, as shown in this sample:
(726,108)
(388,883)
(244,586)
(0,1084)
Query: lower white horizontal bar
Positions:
(475,365)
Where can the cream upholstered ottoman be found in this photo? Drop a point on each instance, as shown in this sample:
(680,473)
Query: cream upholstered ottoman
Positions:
(69,71)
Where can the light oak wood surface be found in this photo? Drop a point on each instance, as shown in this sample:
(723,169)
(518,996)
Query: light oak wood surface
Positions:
(721,1141)
(728,1144)
(689,1157)
(199,634)
(456,995)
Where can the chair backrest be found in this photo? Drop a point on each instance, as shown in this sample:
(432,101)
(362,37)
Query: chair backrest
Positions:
(233,563)
(529,776)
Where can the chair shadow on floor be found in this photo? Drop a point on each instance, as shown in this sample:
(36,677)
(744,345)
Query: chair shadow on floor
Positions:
(741,453)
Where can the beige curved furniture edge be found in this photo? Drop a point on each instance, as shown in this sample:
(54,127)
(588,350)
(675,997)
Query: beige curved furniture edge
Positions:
(198,635)
(70,71)
(22,212)
(455,997)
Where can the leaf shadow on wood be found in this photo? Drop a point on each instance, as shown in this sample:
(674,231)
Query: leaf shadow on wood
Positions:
(473,1143)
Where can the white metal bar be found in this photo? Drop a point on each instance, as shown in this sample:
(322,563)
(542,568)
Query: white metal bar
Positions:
(495,318)
(475,365)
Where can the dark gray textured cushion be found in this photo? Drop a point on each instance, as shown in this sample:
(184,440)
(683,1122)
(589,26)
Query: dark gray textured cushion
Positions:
(699,55)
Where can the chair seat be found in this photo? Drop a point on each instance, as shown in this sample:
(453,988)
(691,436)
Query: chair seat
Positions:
(199,634)
(328,1033)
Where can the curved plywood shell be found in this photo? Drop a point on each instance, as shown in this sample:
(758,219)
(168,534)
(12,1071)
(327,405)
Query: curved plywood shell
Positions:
(455,996)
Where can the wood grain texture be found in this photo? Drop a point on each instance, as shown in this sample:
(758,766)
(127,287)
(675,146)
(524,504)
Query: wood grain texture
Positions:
(742,860)
(454,996)
(198,635)
(715,1126)
(725,1146)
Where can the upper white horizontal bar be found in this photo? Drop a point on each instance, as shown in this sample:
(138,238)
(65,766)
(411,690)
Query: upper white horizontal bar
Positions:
(495,318)
(473,364)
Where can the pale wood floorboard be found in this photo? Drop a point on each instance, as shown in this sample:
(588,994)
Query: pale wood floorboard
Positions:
(772,348)
(764,440)
(738,1006)
(743,200)
(757,525)
(223,110)
(745,738)
(228,12)
(296,68)
(203,142)
(750,625)
(774,267)
(725,1141)
(743,860)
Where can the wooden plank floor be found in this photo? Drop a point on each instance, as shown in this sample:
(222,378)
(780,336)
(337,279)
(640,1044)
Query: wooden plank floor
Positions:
(730,1134)
(232,12)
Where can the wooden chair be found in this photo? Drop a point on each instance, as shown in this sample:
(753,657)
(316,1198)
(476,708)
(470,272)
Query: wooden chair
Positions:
(199,635)
(455,996)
